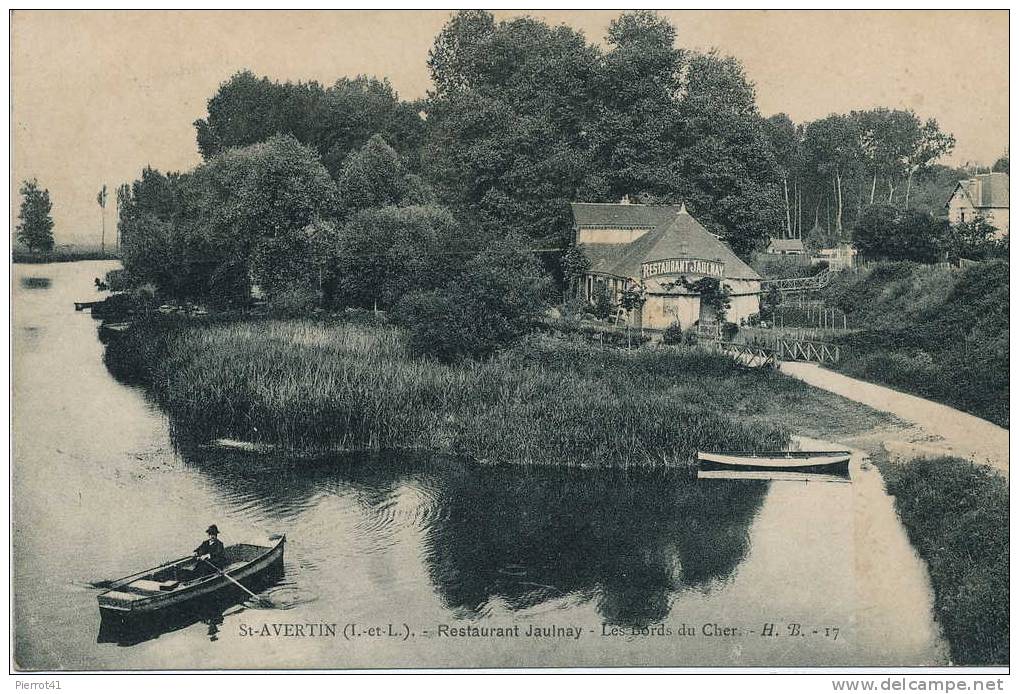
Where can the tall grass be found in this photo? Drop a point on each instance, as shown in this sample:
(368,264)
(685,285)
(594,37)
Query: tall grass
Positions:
(305,385)
(956,514)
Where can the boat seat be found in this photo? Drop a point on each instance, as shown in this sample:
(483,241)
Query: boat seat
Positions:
(146,586)
(118,596)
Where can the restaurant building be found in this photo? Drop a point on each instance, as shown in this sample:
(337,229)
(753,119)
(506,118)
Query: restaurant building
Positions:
(660,250)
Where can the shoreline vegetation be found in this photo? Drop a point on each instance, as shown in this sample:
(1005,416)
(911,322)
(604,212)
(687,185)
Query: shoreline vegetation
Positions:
(956,515)
(312,384)
(62,255)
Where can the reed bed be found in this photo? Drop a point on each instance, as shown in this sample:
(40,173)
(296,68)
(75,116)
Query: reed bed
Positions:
(306,385)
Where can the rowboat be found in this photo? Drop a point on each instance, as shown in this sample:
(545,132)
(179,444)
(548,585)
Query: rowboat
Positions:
(828,462)
(155,595)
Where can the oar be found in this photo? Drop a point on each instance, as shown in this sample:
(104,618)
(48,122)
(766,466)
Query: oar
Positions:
(264,601)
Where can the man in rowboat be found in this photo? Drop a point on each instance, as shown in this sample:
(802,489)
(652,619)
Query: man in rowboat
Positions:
(210,551)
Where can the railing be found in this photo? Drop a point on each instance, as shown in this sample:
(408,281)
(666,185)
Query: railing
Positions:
(748,355)
(808,350)
(800,284)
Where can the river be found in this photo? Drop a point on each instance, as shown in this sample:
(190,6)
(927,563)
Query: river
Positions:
(576,567)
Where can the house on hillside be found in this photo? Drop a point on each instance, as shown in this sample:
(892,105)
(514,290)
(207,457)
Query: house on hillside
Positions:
(662,250)
(984,195)
(786,247)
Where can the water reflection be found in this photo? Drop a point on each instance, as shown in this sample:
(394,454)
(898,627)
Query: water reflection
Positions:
(630,541)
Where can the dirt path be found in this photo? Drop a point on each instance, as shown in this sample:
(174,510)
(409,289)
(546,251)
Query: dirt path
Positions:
(937,429)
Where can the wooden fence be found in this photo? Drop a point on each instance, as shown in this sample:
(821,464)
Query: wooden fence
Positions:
(800,284)
(748,355)
(807,350)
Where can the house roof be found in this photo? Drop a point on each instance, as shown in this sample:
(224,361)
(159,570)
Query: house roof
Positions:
(616,215)
(985,190)
(778,245)
(681,237)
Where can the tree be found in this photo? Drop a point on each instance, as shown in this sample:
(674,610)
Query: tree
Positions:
(786,141)
(886,233)
(35,226)
(727,172)
(576,264)
(101,201)
(603,306)
(1001,165)
(833,152)
(976,240)
(374,176)
(296,262)
(195,235)
(384,253)
(334,121)
(930,145)
(507,125)
(247,109)
(875,231)
(487,307)
(234,202)
(634,133)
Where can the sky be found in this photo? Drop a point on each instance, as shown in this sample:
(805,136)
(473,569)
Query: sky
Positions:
(97,95)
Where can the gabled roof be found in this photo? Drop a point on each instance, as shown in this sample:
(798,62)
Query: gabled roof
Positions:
(985,190)
(786,245)
(607,214)
(682,237)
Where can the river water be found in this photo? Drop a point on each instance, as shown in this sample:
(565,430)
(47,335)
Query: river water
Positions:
(575,567)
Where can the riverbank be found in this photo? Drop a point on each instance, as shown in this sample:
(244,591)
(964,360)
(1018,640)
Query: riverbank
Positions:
(955,510)
(940,333)
(325,384)
(956,515)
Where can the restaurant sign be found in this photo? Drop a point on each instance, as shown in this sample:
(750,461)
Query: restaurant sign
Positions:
(682,266)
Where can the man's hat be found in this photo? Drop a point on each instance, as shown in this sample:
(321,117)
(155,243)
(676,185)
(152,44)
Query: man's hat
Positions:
(212,530)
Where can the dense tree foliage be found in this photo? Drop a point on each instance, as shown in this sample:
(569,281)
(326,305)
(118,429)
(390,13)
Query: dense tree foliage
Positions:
(35,226)
(334,121)
(194,235)
(489,305)
(1001,165)
(885,232)
(976,239)
(374,176)
(384,253)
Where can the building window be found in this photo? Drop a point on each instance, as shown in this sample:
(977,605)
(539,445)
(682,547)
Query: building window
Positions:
(962,216)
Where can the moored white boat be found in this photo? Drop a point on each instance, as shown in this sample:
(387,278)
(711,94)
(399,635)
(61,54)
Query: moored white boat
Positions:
(817,461)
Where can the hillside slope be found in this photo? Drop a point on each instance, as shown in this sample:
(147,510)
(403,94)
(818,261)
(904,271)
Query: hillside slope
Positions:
(937,332)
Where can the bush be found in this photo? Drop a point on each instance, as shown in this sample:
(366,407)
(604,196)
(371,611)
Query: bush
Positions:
(729,330)
(883,232)
(603,304)
(118,280)
(673,335)
(295,301)
(501,293)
